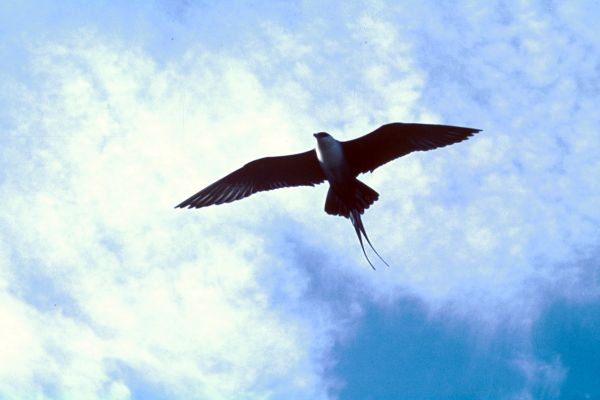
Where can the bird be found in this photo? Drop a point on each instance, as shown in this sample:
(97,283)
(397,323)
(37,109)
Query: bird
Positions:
(337,162)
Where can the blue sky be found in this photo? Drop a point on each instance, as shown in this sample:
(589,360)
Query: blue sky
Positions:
(110,114)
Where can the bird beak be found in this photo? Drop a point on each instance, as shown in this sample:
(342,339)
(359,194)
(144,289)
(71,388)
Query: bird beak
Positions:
(314,134)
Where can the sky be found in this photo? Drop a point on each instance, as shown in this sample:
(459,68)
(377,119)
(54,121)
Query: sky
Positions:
(111,113)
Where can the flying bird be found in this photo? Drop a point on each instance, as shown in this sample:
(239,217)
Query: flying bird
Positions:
(334,161)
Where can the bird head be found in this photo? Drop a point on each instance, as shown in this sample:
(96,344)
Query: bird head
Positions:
(321,135)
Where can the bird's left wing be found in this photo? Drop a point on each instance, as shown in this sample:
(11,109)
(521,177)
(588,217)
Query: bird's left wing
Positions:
(394,140)
(302,169)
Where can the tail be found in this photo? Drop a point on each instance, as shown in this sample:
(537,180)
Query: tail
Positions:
(352,207)
(360,199)
(359,228)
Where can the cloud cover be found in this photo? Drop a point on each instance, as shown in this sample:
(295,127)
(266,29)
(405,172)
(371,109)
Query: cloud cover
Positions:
(108,292)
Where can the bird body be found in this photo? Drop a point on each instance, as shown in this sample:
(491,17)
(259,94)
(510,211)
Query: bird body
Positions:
(347,196)
(337,162)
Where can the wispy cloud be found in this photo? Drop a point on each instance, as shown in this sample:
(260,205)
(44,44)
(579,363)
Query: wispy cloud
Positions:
(107,291)
(89,214)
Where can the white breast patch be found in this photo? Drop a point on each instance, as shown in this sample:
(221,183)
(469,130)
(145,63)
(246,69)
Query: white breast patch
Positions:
(331,157)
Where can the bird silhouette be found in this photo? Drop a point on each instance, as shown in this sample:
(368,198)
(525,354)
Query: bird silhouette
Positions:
(334,161)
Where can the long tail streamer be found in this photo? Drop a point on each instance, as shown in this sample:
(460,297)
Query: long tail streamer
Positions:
(359,228)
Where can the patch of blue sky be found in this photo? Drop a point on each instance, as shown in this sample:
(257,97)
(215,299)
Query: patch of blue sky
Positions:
(402,352)
(570,332)
(137,384)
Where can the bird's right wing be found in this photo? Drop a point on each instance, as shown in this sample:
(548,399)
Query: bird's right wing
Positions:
(302,169)
(394,140)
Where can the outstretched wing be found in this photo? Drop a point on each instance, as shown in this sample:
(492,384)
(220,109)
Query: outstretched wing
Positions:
(268,173)
(396,140)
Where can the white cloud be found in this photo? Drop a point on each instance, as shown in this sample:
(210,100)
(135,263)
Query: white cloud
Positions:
(105,139)
(175,295)
(491,223)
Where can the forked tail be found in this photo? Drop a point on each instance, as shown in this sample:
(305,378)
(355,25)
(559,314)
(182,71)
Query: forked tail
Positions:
(360,229)
(351,204)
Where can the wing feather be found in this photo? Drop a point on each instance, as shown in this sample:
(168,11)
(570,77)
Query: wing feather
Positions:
(394,140)
(302,169)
